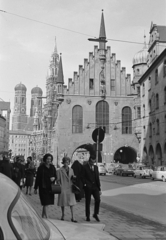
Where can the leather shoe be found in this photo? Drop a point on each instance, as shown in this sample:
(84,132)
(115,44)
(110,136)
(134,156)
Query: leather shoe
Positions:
(88,219)
(96,217)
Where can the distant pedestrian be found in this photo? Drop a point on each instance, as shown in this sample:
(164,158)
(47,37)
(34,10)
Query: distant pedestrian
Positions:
(91,185)
(6,167)
(46,175)
(29,175)
(18,171)
(78,172)
(66,197)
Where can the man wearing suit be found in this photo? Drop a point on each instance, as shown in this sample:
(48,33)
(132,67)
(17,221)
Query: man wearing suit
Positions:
(91,187)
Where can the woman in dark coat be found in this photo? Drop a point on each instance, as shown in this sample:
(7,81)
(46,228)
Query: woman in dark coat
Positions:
(29,174)
(46,175)
(78,172)
(18,171)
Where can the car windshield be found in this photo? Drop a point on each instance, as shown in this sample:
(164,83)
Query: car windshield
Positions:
(26,223)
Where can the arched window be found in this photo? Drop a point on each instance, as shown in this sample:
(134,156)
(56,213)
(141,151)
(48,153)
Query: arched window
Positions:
(77,119)
(150,130)
(126,120)
(149,82)
(102,115)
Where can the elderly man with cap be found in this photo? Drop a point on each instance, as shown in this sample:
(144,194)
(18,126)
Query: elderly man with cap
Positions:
(91,184)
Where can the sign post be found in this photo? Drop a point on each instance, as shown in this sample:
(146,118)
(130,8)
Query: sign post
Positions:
(98,136)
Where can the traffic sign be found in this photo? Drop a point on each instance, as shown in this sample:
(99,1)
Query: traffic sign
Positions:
(98,133)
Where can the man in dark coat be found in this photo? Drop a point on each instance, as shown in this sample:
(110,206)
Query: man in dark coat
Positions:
(91,186)
(78,172)
(18,171)
(6,167)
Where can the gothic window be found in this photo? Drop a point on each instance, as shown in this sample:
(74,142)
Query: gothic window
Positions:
(157,101)
(150,130)
(16,100)
(164,69)
(102,115)
(144,132)
(77,119)
(59,88)
(112,84)
(126,120)
(22,99)
(91,84)
(156,76)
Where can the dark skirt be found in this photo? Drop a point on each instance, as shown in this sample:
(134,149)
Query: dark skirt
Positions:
(29,181)
(46,197)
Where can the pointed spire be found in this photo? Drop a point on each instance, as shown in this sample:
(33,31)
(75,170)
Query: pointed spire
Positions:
(102,33)
(60,78)
(55,47)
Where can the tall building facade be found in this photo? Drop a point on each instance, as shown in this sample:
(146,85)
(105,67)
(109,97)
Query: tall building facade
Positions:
(100,94)
(153,99)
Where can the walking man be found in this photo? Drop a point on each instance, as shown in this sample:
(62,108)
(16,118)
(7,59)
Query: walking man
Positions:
(91,186)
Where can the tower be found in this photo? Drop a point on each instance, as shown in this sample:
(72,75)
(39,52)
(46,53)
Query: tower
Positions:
(19,119)
(36,101)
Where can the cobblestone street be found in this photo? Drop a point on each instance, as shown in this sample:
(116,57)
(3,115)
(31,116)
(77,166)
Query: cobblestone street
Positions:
(122,225)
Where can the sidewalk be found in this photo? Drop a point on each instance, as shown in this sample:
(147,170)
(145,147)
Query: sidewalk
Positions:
(122,225)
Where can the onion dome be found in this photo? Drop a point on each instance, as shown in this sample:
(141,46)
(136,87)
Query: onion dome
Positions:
(141,56)
(21,87)
(36,90)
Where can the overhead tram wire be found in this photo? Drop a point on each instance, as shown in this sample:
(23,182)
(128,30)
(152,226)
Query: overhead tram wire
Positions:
(66,29)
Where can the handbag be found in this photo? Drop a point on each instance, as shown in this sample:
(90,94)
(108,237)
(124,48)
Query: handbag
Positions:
(75,189)
(55,189)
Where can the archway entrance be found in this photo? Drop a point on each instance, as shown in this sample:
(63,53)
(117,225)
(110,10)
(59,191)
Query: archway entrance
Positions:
(151,155)
(125,155)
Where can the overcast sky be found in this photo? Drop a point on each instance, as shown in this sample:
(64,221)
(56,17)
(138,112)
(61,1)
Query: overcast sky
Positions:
(26,46)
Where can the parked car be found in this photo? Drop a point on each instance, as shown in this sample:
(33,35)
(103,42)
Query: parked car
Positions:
(110,167)
(102,169)
(159,173)
(18,220)
(143,171)
(129,171)
(116,169)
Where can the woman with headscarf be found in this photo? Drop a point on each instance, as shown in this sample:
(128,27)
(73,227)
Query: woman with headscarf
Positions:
(66,197)
(46,175)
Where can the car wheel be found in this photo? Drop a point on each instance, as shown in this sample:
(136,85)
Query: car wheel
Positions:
(163,179)
(134,176)
(152,178)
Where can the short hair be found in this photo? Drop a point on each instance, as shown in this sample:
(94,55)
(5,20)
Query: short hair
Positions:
(65,159)
(46,156)
(30,158)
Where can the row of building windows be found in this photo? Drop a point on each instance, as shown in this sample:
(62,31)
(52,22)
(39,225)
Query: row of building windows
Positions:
(101,118)
(112,84)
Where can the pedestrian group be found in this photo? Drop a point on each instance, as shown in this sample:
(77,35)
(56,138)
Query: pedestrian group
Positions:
(76,182)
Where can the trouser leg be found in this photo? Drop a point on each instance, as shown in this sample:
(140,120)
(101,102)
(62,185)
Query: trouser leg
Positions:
(96,196)
(87,202)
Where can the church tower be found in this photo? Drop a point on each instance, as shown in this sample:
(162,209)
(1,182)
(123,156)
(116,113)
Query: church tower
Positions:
(36,101)
(19,119)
